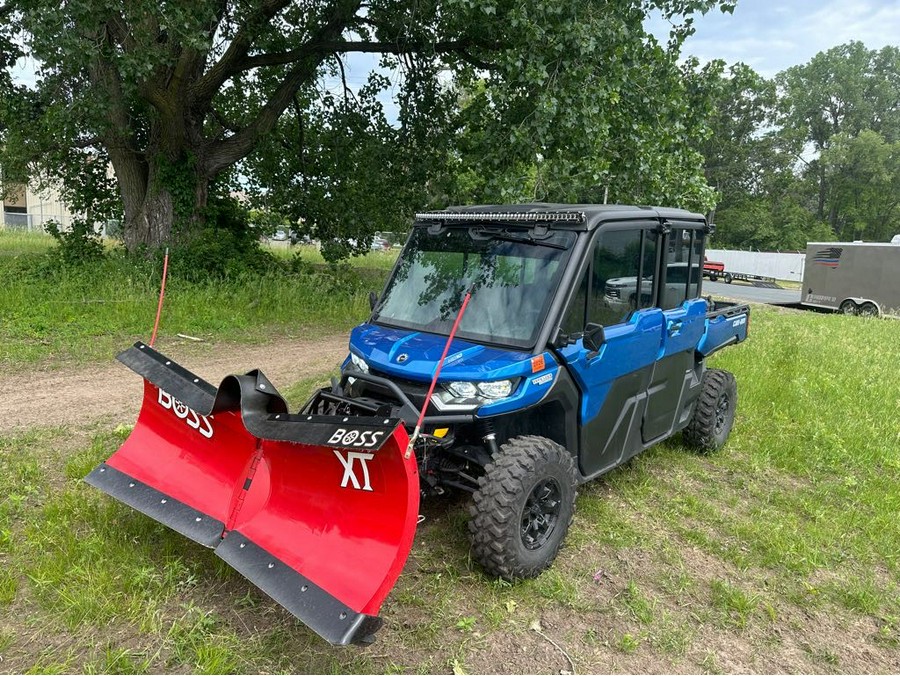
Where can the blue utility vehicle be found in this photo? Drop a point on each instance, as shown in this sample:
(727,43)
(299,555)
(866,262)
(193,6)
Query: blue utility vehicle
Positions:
(557,374)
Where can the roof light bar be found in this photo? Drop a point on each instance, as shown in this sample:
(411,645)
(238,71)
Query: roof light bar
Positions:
(503,216)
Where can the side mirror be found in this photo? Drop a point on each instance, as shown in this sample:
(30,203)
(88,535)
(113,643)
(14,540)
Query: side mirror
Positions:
(594,337)
(373,300)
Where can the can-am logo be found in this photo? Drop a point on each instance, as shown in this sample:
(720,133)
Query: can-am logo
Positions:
(190,416)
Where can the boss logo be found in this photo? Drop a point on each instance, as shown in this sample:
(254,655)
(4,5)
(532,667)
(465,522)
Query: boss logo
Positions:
(190,416)
(355,438)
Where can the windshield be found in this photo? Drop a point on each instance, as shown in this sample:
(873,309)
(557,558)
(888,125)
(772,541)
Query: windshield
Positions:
(513,279)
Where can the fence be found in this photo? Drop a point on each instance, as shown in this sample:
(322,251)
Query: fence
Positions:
(786,266)
(34,222)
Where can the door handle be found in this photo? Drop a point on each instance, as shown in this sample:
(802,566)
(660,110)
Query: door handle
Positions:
(674,328)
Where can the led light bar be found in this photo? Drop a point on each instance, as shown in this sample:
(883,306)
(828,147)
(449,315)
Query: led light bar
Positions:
(503,216)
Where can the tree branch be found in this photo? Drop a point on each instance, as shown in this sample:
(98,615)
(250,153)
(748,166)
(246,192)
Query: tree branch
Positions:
(458,47)
(205,89)
(340,64)
(190,61)
(224,153)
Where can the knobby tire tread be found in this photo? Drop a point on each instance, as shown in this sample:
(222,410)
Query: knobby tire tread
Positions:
(495,523)
(700,431)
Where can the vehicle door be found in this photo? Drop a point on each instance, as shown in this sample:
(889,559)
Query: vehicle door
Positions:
(670,391)
(617,290)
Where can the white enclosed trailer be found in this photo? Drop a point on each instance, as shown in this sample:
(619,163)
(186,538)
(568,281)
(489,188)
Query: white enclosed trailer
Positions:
(852,277)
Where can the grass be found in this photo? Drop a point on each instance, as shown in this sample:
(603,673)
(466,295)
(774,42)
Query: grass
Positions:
(55,315)
(780,553)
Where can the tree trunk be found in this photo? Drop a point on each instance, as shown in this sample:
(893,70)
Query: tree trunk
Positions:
(151,210)
(152,222)
(820,210)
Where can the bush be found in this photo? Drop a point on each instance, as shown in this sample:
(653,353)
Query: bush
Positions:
(225,248)
(77,246)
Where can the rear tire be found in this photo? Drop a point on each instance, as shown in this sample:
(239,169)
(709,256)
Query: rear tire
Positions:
(523,507)
(713,415)
(848,307)
(868,310)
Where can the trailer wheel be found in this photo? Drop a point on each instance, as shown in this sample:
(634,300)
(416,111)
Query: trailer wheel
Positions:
(868,310)
(523,507)
(728,278)
(848,307)
(713,414)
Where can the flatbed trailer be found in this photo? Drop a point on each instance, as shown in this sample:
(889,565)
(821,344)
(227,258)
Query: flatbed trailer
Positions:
(728,277)
(852,277)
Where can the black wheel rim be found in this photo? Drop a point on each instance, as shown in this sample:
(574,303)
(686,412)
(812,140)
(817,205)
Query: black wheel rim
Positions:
(541,513)
(722,412)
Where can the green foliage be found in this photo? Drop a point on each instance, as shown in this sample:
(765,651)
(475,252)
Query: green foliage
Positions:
(864,176)
(498,101)
(224,247)
(61,313)
(80,245)
(809,156)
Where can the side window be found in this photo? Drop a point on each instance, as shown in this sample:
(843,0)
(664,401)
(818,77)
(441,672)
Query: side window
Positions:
(574,322)
(696,265)
(677,257)
(615,287)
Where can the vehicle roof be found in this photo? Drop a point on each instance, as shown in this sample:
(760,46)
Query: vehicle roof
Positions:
(594,214)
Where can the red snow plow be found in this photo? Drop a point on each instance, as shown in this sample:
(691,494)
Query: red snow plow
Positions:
(319,511)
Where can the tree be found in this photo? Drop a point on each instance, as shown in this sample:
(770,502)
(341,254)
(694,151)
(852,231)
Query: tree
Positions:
(176,94)
(738,152)
(864,176)
(841,91)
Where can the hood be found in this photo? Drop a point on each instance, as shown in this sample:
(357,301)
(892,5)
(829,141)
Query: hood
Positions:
(412,355)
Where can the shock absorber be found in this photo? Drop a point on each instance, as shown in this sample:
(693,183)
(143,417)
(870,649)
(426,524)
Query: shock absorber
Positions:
(488,436)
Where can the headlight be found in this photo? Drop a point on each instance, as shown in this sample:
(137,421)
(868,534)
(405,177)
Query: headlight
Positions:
(462,390)
(359,363)
(497,389)
(464,395)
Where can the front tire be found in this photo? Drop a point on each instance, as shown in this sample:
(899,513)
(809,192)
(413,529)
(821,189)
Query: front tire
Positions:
(523,507)
(713,415)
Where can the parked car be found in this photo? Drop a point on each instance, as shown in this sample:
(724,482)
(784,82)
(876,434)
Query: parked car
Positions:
(621,291)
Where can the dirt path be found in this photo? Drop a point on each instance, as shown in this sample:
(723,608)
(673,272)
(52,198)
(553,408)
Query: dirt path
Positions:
(78,396)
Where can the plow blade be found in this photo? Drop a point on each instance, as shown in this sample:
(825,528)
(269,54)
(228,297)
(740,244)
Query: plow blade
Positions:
(318,511)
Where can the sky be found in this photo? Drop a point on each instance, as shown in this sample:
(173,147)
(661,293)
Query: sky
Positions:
(772,35)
